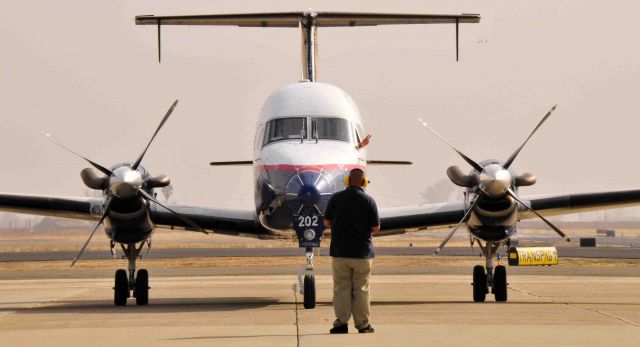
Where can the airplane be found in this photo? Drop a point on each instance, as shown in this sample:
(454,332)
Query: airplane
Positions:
(308,136)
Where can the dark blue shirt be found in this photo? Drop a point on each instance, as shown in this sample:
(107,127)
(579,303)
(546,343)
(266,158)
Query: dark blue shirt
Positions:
(352,214)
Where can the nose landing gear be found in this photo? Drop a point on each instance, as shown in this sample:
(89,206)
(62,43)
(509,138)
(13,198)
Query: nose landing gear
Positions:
(308,285)
(309,230)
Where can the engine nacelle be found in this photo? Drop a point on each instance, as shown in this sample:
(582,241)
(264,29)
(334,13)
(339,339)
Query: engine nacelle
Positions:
(459,178)
(526,179)
(158,181)
(93,179)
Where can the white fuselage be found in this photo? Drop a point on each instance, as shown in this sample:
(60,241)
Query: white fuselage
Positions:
(305,144)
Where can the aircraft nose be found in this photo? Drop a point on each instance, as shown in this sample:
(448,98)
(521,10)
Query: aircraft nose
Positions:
(308,192)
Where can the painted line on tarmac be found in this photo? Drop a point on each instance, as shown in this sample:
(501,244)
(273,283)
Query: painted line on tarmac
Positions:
(295,302)
(606,314)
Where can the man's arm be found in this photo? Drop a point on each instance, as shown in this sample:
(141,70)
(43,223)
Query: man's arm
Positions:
(363,143)
(374,229)
(327,224)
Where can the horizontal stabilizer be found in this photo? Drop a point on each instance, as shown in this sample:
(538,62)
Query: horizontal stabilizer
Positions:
(388,162)
(230,163)
(322,19)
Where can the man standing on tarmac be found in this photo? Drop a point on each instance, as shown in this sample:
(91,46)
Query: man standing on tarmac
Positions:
(352,216)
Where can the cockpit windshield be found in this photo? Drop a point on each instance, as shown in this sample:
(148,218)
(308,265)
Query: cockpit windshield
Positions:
(285,129)
(332,129)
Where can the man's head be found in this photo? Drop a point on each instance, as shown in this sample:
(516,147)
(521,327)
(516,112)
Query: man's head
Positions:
(356,178)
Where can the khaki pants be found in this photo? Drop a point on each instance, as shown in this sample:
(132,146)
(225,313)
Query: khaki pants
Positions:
(351,290)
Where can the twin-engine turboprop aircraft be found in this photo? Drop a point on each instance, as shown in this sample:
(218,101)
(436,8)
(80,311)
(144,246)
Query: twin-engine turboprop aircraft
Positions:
(308,136)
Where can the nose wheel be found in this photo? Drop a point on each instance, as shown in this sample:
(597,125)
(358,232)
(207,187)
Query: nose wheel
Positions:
(308,285)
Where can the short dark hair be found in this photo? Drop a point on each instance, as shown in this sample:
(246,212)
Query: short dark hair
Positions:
(356,173)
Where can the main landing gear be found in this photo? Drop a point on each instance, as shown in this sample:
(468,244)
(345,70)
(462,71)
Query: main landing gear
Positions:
(131,282)
(491,279)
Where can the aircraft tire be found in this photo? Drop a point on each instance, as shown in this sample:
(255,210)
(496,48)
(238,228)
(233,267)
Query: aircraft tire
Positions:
(121,288)
(500,283)
(142,287)
(479,284)
(309,291)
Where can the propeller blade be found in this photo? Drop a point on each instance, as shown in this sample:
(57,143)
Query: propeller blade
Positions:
(463,220)
(104,215)
(467,159)
(515,154)
(94,164)
(184,219)
(512,194)
(166,116)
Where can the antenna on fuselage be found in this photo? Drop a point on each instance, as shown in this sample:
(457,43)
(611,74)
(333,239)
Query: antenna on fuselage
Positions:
(308,22)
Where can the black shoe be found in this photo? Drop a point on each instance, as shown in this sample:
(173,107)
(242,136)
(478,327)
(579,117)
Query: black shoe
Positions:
(341,329)
(368,329)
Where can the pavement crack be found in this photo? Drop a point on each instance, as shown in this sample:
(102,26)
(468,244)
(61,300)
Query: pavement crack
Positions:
(295,302)
(609,315)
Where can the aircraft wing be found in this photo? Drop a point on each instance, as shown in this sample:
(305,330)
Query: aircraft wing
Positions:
(397,220)
(236,222)
(222,221)
(555,205)
(84,208)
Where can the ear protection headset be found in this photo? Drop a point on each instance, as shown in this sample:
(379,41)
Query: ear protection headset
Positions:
(365,180)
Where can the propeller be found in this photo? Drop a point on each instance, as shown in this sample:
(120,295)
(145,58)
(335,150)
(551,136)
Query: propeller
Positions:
(513,156)
(493,179)
(512,194)
(102,169)
(464,219)
(184,218)
(107,208)
(123,182)
(164,120)
(467,159)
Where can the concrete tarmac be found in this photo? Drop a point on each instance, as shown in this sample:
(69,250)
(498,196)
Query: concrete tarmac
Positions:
(266,310)
(179,253)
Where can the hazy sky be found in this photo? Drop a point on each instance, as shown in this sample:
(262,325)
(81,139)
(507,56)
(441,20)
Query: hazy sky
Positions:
(84,72)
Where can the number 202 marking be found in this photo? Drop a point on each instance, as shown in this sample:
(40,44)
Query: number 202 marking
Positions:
(308,221)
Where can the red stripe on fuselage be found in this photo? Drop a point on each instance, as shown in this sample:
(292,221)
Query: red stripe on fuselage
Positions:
(317,168)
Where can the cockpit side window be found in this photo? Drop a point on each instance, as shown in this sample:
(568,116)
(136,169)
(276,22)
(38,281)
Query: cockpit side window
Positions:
(332,129)
(259,136)
(281,129)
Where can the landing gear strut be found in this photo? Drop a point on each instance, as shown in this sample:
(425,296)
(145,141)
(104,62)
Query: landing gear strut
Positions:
(126,283)
(491,279)
(309,229)
(308,285)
